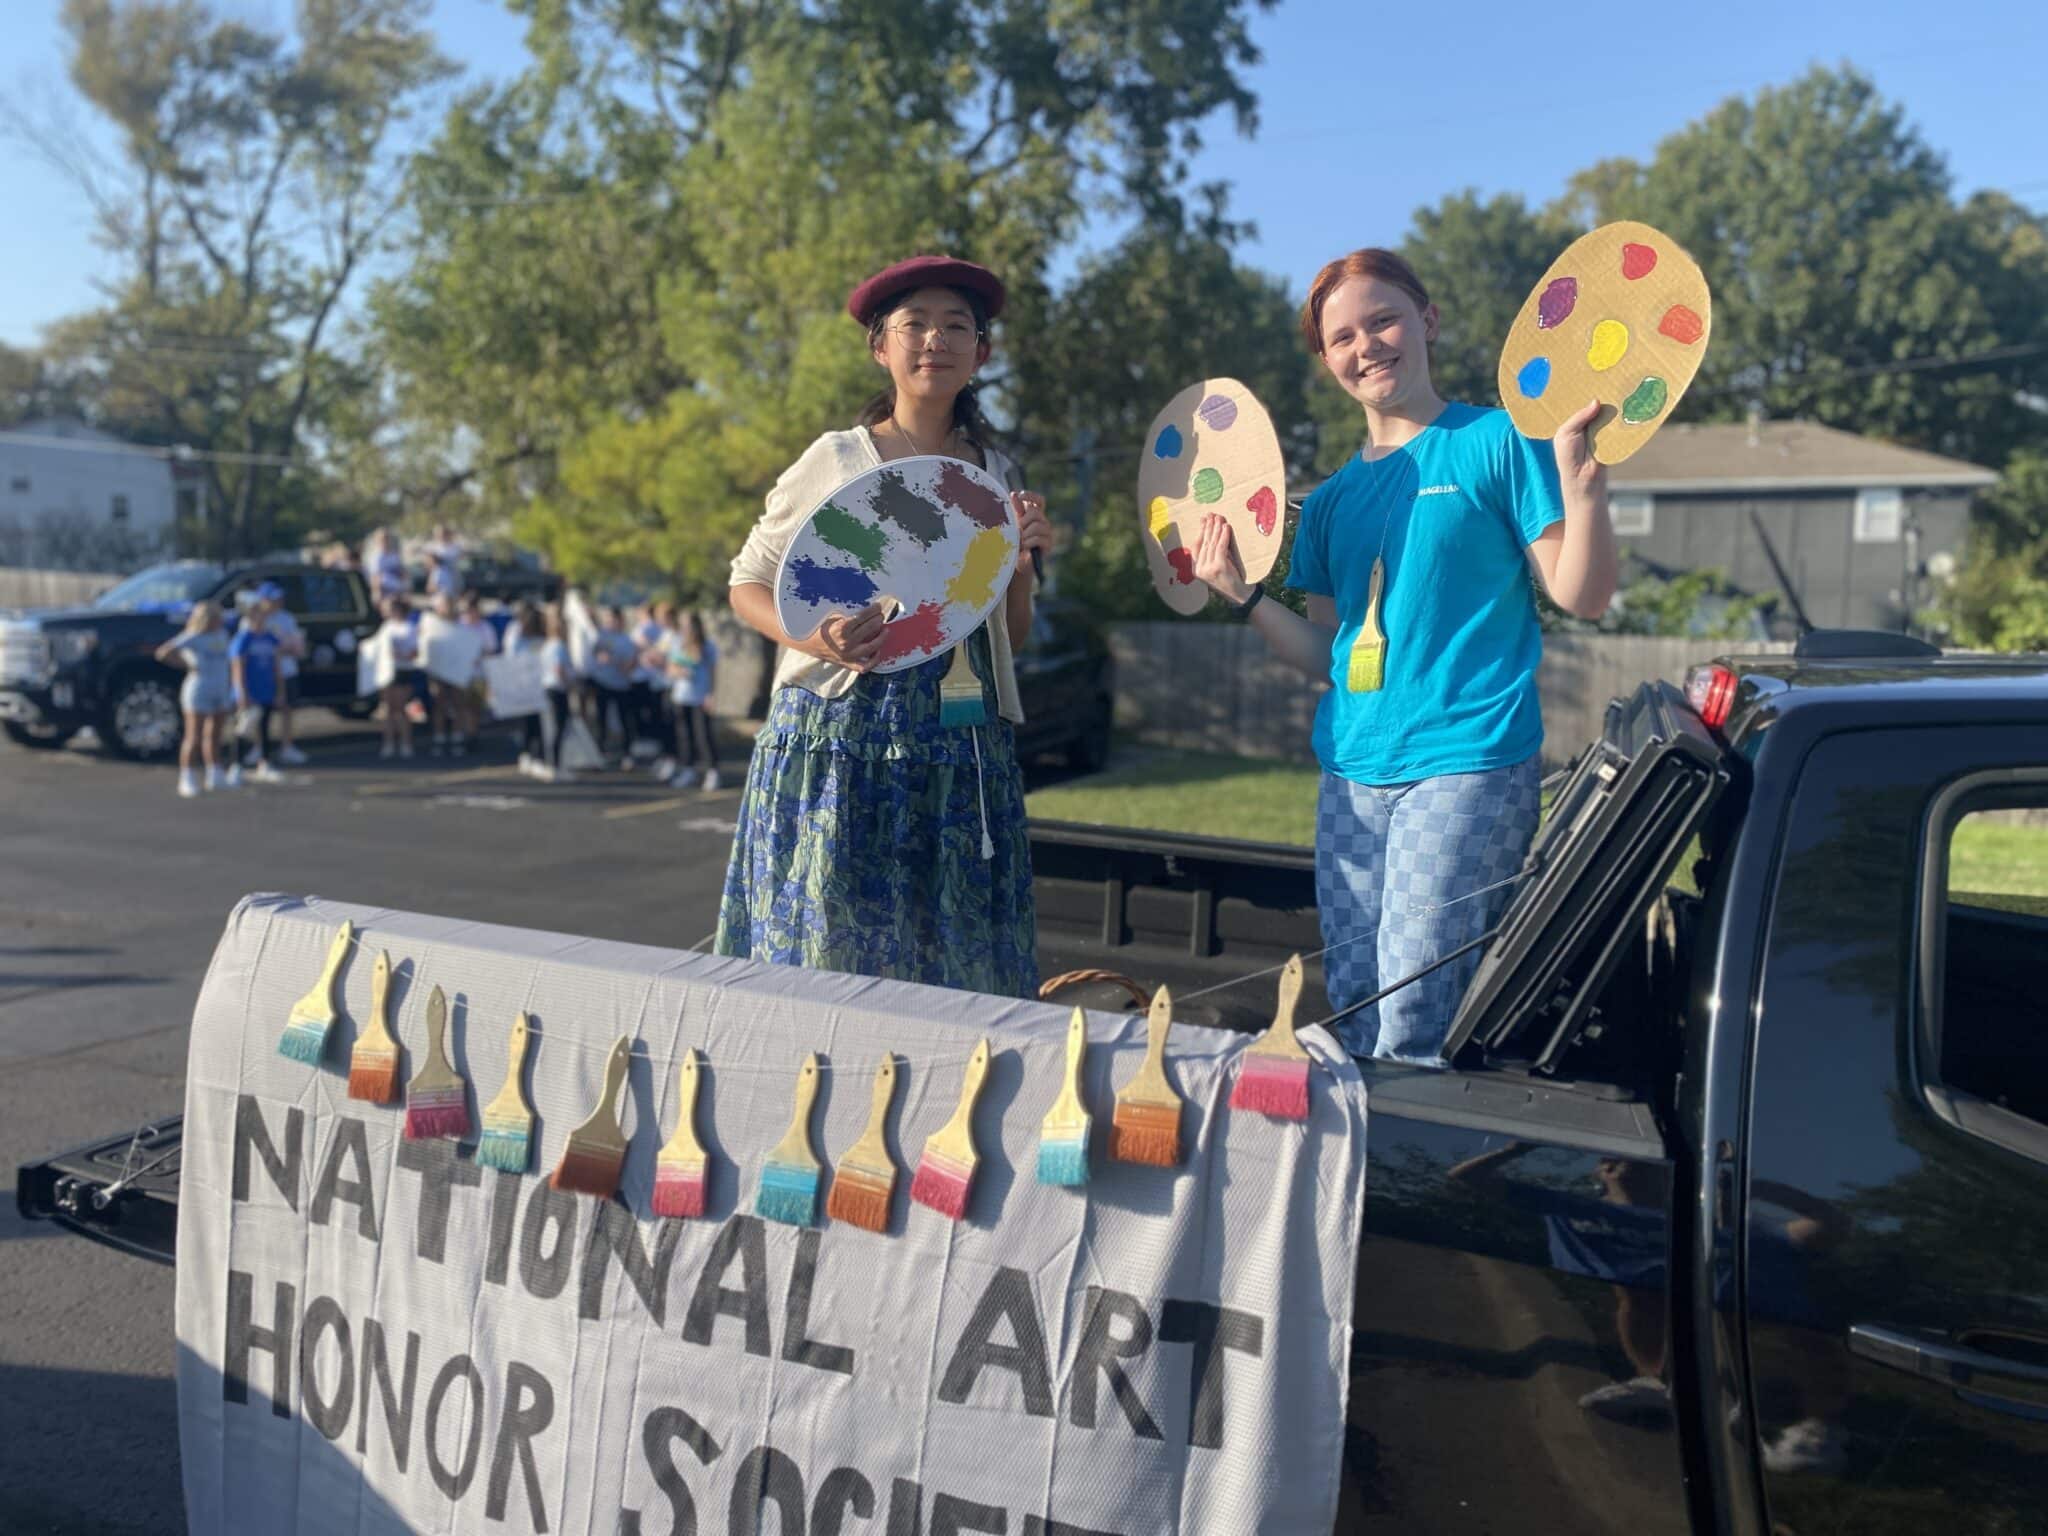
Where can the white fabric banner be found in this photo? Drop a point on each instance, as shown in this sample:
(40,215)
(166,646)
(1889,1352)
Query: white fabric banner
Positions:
(376,667)
(512,683)
(378,1335)
(449,652)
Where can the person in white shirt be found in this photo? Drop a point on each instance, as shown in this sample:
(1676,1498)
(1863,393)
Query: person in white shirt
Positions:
(445,570)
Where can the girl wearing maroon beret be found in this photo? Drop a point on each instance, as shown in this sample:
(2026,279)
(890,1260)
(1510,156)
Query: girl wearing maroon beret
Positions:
(873,837)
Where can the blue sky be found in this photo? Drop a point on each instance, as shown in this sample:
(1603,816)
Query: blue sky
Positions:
(1361,120)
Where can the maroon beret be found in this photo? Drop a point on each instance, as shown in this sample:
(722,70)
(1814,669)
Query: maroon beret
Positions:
(873,296)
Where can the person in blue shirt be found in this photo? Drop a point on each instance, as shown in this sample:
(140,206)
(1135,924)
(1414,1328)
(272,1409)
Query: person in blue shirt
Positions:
(252,655)
(1418,559)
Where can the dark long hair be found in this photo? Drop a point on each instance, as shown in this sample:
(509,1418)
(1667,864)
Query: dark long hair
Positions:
(967,416)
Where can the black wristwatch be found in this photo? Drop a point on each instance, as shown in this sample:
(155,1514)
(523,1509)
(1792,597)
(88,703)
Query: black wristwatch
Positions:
(1244,609)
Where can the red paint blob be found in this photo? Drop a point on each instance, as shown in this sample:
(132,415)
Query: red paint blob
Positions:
(916,632)
(1637,260)
(1183,563)
(1681,324)
(1265,510)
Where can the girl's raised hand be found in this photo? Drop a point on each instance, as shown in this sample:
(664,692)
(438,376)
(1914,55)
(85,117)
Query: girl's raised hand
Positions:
(849,642)
(1577,469)
(1034,529)
(1216,560)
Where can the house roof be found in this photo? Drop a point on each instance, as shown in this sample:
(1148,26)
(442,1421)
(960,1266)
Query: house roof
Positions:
(1781,455)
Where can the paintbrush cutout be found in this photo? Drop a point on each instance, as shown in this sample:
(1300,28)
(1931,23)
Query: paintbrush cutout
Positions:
(680,1167)
(1146,1126)
(437,1099)
(945,1173)
(1272,1076)
(789,1178)
(1063,1139)
(312,1016)
(507,1141)
(597,1148)
(865,1180)
(373,1064)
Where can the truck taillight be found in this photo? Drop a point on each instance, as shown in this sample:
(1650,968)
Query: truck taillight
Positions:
(1711,692)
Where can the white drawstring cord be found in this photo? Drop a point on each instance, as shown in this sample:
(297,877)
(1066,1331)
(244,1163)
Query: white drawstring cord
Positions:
(988,847)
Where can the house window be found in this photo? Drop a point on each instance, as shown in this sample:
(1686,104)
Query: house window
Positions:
(1634,516)
(120,509)
(1879,516)
(18,485)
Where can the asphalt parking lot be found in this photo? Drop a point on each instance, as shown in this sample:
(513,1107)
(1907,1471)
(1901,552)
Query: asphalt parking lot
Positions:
(112,894)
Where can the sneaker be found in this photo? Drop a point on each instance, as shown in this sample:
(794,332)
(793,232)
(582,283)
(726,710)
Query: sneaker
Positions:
(1645,1401)
(458,746)
(233,779)
(387,751)
(292,757)
(712,781)
(263,773)
(436,747)
(405,751)
(527,763)
(664,769)
(252,757)
(1811,1445)
(212,779)
(685,778)
(188,785)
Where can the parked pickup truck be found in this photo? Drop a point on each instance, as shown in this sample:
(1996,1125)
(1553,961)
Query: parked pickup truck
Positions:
(64,669)
(1731,1212)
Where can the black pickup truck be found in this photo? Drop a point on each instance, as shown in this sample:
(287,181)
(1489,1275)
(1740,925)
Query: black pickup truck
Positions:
(62,670)
(1731,1212)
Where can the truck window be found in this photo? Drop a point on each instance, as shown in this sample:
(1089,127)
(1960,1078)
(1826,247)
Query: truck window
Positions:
(317,593)
(1989,1038)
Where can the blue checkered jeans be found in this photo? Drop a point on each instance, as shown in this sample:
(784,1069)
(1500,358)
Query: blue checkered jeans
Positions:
(1390,857)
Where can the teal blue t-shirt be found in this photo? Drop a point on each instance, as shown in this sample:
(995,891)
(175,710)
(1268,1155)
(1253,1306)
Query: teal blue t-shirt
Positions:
(1454,511)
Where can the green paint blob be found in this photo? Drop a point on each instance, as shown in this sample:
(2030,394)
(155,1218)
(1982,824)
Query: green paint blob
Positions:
(850,536)
(1645,401)
(1208,486)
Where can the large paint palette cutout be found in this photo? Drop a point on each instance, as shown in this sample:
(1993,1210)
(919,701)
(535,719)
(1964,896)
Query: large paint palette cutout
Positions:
(1622,317)
(935,534)
(1213,449)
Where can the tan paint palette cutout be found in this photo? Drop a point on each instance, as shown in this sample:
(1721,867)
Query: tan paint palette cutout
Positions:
(1622,317)
(1213,449)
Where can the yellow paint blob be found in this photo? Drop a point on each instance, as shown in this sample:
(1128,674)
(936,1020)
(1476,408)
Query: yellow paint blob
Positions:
(975,586)
(1610,343)
(1161,518)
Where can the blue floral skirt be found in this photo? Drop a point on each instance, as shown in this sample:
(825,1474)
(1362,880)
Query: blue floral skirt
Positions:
(861,837)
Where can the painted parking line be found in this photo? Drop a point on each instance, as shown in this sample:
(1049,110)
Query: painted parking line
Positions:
(643,808)
(413,783)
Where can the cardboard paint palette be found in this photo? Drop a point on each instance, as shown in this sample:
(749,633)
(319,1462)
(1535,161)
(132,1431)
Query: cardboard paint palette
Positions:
(1622,317)
(935,534)
(1213,449)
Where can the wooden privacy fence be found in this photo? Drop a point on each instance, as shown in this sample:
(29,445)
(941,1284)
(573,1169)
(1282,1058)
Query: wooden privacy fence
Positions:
(1216,687)
(50,589)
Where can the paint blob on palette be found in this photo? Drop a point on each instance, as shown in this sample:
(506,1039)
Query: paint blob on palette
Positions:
(1622,317)
(936,535)
(1213,449)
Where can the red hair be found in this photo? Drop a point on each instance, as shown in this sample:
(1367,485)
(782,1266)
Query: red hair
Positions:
(1371,261)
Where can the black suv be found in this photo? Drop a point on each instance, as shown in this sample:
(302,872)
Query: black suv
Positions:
(64,669)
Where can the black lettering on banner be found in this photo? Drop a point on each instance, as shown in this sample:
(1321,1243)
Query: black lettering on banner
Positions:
(1038,1525)
(843,1489)
(661,1427)
(1009,1296)
(906,1507)
(1100,1349)
(329,1415)
(951,1515)
(544,1270)
(517,1426)
(618,1235)
(244,1337)
(744,1238)
(398,1405)
(252,1134)
(349,1140)
(504,1220)
(797,1345)
(440,1170)
(454,1482)
(1214,1331)
(767,1474)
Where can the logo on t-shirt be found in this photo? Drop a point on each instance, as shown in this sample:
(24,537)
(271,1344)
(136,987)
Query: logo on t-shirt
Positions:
(1438,490)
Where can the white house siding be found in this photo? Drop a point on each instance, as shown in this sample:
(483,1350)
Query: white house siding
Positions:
(62,485)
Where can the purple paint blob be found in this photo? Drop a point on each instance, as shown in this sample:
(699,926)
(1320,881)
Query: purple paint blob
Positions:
(814,584)
(1218,413)
(1557,303)
(1168,444)
(964,493)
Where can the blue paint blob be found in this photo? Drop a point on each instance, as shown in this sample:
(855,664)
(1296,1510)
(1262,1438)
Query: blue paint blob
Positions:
(813,583)
(1168,445)
(1534,377)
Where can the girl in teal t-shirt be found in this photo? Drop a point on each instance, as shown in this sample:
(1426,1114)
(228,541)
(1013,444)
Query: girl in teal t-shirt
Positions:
(1416,557)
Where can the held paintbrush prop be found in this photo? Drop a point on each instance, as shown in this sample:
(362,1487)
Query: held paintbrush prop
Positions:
(373,1064)
(305,1031)
(865,1179)
(507,1141)
(680,1167)
(789,1178)
(597,1148)
(1272,1076)
(1146,1126)
(1063,1140)
(437,1099)
(945,1174)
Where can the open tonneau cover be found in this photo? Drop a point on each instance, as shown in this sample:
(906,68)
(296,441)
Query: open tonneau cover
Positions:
(1630,803)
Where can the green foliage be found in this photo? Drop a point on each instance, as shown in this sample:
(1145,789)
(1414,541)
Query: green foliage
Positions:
(1701,604)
